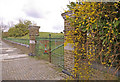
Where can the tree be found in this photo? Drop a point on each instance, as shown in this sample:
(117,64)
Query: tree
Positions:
(20,29)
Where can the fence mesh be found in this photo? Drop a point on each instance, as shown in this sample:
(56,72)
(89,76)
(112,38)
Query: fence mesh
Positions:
(23,41)
(51,49)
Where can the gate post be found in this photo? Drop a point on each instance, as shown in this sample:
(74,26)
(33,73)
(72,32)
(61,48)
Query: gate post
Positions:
(33,32)
(68,49)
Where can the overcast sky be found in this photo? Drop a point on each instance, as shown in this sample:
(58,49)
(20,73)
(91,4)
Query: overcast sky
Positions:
(45,13)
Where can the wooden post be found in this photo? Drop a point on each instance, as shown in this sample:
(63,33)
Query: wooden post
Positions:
(50,48)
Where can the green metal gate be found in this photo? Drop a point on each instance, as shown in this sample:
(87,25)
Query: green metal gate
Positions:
(51,49)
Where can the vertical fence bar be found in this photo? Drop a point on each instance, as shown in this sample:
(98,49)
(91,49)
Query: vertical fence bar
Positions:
(63,52)
(36,46)
(50,48)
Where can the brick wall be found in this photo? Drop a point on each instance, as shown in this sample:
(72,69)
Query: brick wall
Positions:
(33,32)
(68,50)
(68,60)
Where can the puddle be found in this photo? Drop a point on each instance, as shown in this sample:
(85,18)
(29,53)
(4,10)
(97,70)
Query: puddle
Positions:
(3,55)
(14,56)
(9,50)
(3,48)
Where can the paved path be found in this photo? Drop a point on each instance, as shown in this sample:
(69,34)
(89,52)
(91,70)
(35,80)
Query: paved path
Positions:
(18,66)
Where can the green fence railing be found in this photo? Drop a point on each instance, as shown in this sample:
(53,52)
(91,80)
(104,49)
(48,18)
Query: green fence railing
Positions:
(23,41)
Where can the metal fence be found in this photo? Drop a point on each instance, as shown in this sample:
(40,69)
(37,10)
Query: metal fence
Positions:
(51,49)
(23,41)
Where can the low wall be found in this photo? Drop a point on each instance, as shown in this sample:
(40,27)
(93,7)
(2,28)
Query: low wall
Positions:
(23,47)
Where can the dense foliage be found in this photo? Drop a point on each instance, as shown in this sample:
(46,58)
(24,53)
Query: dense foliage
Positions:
(20,29)
(95,35)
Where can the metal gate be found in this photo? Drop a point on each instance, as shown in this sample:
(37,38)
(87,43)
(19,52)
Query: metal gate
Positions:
(51,49)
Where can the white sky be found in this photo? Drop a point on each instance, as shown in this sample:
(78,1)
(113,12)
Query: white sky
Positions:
(46,13)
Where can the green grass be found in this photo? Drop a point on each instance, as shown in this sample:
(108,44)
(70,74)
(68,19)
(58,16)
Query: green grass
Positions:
(53,35)
(23,37)
(43,35)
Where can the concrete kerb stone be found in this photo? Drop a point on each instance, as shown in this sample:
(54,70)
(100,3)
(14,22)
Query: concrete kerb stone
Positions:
(18,43)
